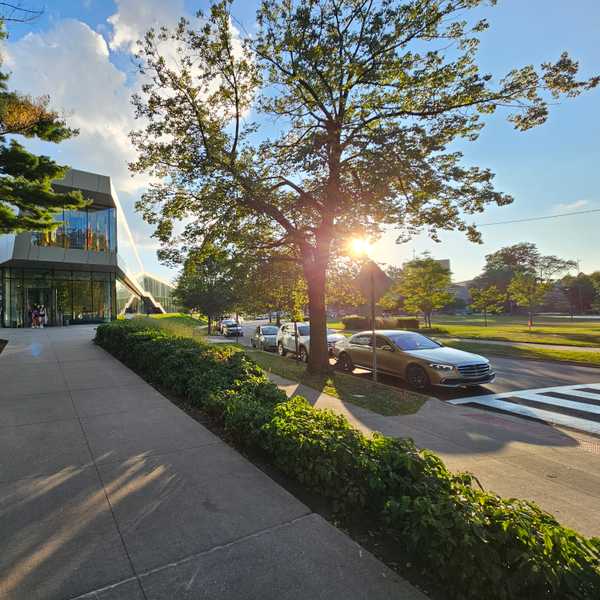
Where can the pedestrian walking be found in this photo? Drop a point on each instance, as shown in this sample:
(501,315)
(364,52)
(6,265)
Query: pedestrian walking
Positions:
(35,317)
(43,316)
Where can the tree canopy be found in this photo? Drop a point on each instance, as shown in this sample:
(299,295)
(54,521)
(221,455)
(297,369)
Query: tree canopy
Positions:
(27,200)
(359,104)
(529,291)
(208,283)
(523,258)
(487,300)
(424,286)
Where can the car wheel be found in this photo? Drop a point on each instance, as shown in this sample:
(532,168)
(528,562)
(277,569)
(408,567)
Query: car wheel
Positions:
(345,363)
(303,354)
(281,350)
(417,377)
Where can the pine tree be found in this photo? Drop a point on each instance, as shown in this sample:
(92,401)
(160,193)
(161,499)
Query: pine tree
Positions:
(27,200)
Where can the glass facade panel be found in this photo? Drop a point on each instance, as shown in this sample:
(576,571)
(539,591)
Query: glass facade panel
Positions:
(98,229)
(63,309)
(101,296)
(93,228)
(76,229)
(161,292)
(69,296)
(112,229)
(127,301)
(51,238)
(82,300)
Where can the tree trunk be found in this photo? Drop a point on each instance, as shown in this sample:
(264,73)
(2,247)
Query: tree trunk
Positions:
(209,324)
(318,357)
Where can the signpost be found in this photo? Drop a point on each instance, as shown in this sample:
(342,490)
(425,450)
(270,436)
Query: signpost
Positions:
(373,283)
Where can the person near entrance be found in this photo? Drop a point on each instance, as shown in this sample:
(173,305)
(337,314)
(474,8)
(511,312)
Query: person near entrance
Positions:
(43,316)
(35,317)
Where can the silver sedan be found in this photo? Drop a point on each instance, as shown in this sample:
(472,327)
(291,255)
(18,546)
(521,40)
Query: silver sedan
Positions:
(265,337)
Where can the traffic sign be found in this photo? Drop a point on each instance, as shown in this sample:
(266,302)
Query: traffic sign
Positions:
(372,275)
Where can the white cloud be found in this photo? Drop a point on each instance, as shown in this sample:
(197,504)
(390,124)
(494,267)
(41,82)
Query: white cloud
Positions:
(571,206)
(134,18)
(71,62)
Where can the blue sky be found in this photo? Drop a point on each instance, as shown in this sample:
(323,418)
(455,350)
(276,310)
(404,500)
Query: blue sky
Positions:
(79,53)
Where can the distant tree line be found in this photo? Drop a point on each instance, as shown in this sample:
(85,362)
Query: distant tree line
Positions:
(525,279)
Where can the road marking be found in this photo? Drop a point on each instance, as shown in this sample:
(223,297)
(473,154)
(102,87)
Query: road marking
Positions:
(575,406)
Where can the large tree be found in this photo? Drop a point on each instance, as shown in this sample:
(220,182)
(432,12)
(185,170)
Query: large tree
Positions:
(529,291)
(358,101)
(209,283)
(524,258)
(424,286)
(27,200)
(501,266)
(489,300)
(272,285)
(580,291)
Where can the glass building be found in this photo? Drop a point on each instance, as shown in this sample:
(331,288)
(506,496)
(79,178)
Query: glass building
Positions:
(85,271)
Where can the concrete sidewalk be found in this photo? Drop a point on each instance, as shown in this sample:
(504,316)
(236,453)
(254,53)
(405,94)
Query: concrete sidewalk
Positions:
(110,492)
(557,468)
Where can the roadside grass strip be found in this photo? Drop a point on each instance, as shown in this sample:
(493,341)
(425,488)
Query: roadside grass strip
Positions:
(377,397)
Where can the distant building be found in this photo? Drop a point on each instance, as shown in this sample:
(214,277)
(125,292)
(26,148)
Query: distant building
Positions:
(87,270)
(460,290)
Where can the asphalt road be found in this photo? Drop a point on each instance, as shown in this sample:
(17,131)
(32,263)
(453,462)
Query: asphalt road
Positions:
(511,374)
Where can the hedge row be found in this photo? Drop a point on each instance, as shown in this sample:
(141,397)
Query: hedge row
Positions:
(471,542)
(359,322)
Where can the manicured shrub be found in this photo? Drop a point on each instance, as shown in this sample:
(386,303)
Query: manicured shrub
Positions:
(357,322)
(472,543)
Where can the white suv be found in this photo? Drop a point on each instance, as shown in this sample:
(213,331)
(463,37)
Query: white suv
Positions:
(286,340)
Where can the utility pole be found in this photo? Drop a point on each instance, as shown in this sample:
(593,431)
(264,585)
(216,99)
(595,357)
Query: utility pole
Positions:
(373,340)
(579,290)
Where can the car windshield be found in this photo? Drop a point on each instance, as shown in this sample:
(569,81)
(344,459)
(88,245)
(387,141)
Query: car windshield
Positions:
(228,322)
(269,330)
(413,341)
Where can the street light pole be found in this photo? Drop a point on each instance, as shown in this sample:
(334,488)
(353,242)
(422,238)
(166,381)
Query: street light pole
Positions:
(373,340)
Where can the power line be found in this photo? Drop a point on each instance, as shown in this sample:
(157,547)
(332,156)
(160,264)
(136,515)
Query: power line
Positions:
(567,214)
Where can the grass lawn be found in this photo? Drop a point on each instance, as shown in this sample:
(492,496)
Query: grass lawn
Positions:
(178,324)
(511,329)
(377,397)
(505,328)
(585,358)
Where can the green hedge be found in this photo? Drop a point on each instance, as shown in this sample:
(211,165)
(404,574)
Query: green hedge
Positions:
(358,322)
(472,543)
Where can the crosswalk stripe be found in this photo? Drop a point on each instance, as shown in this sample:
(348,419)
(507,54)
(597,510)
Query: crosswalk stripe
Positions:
(573,406)
(548,400)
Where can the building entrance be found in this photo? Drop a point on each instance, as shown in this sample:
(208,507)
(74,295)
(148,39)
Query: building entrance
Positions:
(39,296)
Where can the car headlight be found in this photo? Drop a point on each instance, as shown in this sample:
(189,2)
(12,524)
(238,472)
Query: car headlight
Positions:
(441,367)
